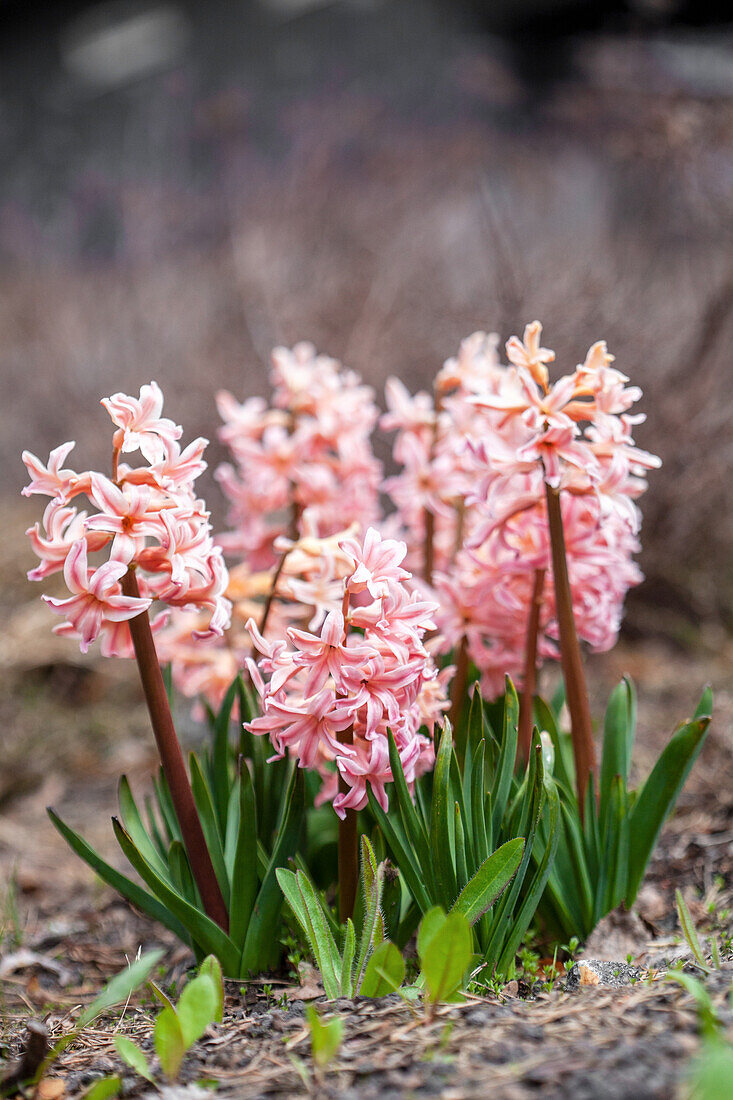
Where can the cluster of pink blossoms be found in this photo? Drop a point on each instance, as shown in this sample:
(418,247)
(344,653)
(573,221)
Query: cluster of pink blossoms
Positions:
(147,517)
(332,694)
(305,462)
(478,456)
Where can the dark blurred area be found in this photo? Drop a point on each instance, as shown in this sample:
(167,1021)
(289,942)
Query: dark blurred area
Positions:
(185,185)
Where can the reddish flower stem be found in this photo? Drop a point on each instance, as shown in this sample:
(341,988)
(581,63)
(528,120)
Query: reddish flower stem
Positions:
(348,847)
(460,679)
(171,758)
(429,551)
(524,738)
(572,661)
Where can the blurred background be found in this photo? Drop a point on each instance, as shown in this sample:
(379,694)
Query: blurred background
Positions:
(185,185)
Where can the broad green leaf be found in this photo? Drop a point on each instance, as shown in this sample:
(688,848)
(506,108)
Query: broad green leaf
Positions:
(104,1089)
(169,1043)
(210,936)
(134,893)
(212,967)
(430,925)
(447,957)
(492,877)
(119,988)
(197,1008)
(658,796)
(478,794)
(711,1073)
(326,1036)
(385,971)
(132,1056)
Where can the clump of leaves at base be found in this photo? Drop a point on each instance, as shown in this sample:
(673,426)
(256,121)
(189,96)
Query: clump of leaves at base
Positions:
(603,853)
(252,812)
(373,967)
(466,839)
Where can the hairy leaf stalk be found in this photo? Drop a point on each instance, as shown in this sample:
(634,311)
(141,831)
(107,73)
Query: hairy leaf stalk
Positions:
(171,758)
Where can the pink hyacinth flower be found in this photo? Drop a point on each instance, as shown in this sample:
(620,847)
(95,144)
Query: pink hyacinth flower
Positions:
(141,426)
(96,598)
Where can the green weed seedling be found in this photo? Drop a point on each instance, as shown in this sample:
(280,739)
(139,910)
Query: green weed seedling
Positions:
(326,1036)
(179,1026)
(445,950)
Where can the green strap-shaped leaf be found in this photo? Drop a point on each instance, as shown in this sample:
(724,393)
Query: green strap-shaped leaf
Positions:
(507,755)
(617,740)
(534,890)
(153,828)
(212,938)
(210,824)
(491,879)
(442,829)
(180,874)
(616,846)
(260,949)
(134,824)
(130,890)
(245,880)
(413,827)
(481,843)
(658,796)
(220,772)
(462,874)
(402,854)
(705,706)
(166,807)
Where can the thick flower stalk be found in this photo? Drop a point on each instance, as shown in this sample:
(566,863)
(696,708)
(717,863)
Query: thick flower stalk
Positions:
(503,443)
(303,464)
(158,547)
(330,694)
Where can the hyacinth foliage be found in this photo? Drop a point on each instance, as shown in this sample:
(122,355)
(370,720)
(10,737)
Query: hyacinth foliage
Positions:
(252,812)
(602,856)
(466,838)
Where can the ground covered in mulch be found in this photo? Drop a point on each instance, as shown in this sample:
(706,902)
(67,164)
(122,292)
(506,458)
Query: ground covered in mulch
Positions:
(70,726)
